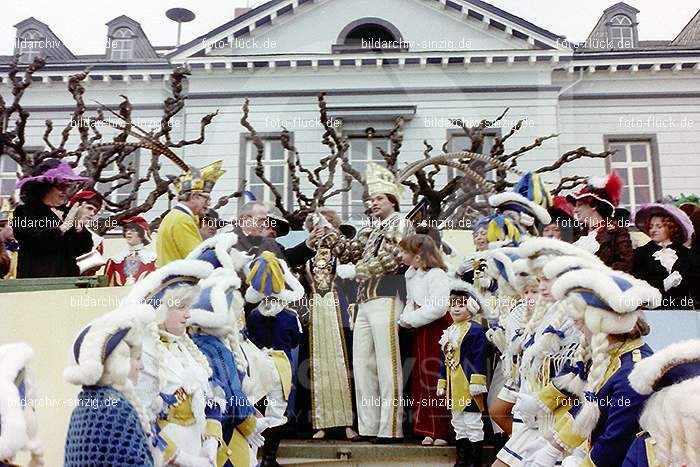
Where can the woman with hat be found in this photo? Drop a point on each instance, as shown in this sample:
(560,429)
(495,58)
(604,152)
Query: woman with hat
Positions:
(92,261)
(50,235)
(109,425)
(136,261)
(601,233)
(593,403)
(665,261)
(562,225)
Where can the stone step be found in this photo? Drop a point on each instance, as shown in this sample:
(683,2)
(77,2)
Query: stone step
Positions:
(332,452)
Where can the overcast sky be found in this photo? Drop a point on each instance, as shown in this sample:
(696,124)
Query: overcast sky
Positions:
(80,24)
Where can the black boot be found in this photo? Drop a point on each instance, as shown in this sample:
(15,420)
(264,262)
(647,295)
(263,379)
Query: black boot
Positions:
(474,453)
(463,446)
(272,443)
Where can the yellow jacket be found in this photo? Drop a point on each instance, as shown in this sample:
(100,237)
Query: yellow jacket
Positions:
(178,235)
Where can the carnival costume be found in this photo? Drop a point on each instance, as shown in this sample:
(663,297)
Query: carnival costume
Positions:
(275,329)
(216,333)
(670,266)
(135,262)
(529,198)
(610,241)
(463,376)
(329,335)
(593,402)
(18,424)
(11,245)
(175,385)
(109,426)
(376,354)
(671,379)
(178,233)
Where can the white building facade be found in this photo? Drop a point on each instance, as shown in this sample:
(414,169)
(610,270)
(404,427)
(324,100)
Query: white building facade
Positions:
(427,61)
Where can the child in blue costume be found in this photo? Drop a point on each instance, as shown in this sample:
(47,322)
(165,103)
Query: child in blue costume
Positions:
(463,372)
(671,416)
(273,327)
(215,330)
(596,410)
(109,425)
(18,427)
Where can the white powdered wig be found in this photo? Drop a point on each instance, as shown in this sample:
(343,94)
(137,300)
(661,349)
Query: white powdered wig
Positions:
(551,246)
(476,303)
(540,213)
(181,267)
(183,296)
(13,428)
(672,419)
(649,371)
(215,286)
(624,304)
(557,266)
(223,245)
(89,368)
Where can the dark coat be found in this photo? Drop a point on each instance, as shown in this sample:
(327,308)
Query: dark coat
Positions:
(647,268)
(616,249)
(45,251)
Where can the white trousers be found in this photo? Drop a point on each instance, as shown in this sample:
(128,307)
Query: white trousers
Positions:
(468,425)
(275,404)
(377,367)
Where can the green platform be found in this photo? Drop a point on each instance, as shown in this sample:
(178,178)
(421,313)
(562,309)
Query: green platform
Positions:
(52,283)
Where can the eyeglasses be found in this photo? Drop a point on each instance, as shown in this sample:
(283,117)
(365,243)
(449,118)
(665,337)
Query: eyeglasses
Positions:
(205,196)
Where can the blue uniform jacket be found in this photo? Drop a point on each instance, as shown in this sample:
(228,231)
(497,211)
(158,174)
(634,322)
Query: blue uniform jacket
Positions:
(279,332)
(620,407)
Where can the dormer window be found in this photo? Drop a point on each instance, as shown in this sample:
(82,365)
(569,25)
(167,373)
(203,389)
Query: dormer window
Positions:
(370,35)
(621,32)
(30,45)
(122,44)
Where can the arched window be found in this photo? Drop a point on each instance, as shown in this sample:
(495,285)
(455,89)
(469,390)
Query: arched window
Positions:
(30,45)
(369,34)
(122,44)
(621,32)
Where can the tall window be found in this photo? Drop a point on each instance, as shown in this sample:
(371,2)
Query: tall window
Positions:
(633,163)
(8,175)
(621,32)
(275,170)
(363,150)
(30,45)
(122,192)
(122,44)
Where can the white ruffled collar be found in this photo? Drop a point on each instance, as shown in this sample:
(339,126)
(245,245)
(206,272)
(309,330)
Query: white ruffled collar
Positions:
(667,257)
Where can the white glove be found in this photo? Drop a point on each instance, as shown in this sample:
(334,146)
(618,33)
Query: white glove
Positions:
(527,408)
(210,448)
(70,219)
(673,280)
(403,323)
(497,338)
(476,389)
(188,460)
(575,459)
(345,271)
(441,392)
(546,456)
(256,440)
(589,242)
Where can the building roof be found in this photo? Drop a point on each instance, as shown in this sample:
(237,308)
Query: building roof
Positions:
(690,35)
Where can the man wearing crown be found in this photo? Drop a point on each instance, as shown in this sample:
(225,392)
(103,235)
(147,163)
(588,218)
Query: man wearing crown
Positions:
(178,233)
(376,356)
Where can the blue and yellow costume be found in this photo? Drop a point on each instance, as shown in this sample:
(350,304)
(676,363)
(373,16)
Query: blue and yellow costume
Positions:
(620,407)
(463,364)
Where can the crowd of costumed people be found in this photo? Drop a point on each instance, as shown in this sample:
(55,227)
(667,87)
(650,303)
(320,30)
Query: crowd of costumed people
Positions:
(227,342)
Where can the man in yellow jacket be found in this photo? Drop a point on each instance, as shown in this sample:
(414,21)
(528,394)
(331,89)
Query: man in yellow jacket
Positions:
(178,233)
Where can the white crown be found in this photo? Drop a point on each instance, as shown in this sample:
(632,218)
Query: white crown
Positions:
(381,180)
